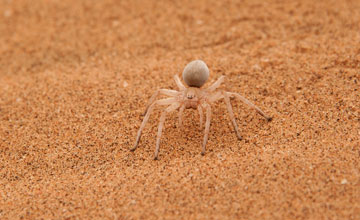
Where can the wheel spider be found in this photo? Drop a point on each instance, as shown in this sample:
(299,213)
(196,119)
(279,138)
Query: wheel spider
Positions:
(195,75)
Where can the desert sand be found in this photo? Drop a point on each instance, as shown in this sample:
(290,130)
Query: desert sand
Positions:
(75,77)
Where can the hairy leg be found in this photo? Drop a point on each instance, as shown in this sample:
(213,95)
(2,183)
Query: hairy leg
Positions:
(216,84)
(181,114)
(168,92)
(207,128)
(146,118)
(200,115)
(231,114)
(238,96)
(169,109)
(178,83)
(223,95)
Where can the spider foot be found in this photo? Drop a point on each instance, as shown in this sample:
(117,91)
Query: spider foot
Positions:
(239,137)
(156,157)
(269,119)
(202,153)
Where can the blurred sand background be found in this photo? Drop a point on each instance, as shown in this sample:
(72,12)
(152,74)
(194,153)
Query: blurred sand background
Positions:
(75,77)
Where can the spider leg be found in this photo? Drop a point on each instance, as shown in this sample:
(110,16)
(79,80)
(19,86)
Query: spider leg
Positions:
(179,83)
(216,84)
(169,109)
(200,115)
(231,114)
(181,114)
(219,95)
(207,128)
(167,101)
(238,96)
(168,92)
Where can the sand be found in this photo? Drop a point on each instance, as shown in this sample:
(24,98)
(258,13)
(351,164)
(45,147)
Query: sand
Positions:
(75,77)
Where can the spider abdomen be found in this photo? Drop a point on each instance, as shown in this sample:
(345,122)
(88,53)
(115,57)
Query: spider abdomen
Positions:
(195,73)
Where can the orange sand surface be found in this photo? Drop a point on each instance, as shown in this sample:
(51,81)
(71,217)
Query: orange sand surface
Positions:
(75,77)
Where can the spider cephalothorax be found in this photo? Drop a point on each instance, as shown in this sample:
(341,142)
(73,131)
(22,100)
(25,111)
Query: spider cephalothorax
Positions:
(195,75)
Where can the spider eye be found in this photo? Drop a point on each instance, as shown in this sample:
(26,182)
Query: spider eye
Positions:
(191,95)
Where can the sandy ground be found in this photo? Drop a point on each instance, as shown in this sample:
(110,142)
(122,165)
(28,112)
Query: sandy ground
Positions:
(75,77)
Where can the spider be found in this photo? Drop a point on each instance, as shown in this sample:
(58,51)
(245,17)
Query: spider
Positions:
(195,74)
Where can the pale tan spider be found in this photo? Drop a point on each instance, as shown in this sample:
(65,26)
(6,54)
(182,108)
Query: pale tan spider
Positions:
(195,75)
